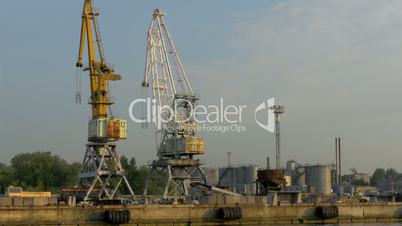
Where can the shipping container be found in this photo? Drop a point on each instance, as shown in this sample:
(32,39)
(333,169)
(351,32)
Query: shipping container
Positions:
(18,192)
(190,145)
(97,129)
(184,145)
(107,128)
(117,129)
(194,145)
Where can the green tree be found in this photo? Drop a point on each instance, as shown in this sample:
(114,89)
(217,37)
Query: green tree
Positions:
(43,171)
(39,171)
(5,176)
(359,182)
(391,173)
(379,174)
(136,176)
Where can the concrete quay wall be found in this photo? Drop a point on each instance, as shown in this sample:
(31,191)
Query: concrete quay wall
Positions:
(196,214)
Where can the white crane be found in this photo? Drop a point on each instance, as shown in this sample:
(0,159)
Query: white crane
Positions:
(173,118)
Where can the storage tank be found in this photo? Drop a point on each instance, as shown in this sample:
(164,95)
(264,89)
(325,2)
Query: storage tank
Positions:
(291,165)
(288,180)
(212,175)
(240,179)
(338,189)
(319,176)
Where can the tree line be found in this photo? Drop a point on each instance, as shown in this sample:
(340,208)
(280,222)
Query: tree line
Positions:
(44,171)
(382,174)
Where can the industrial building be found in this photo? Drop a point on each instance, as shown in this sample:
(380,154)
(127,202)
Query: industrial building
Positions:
(391,185)
(356,178)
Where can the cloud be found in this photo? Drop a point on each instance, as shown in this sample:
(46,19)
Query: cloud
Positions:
(334,64)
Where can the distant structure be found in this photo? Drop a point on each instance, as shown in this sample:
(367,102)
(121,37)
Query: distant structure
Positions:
(315,178)
(391,184)
(229,154)
(270,180)
(319,178)
(357,178)
(212,175)
(278,110)
(338,165)
(296,171)
(240,179)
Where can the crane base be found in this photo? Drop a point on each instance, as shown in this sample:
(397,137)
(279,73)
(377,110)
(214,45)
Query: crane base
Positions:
(177,175)
(101,172)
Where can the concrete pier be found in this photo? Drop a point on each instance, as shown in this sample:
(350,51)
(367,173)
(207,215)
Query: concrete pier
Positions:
(197,214)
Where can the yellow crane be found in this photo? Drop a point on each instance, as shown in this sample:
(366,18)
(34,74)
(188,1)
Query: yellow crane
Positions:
(101,171)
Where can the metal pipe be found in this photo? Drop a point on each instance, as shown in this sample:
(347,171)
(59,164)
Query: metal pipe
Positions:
(268,164)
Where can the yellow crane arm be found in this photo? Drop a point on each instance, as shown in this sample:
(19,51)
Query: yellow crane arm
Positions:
(99,72)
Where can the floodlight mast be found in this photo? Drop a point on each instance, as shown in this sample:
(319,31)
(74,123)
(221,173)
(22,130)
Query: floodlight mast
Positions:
(278,110)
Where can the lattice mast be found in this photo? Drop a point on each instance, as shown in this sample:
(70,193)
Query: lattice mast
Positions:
(101,172)
(278,111)
(176,138)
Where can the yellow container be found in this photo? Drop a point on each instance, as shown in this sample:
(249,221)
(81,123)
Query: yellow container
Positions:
(27,194)
(117,129)
(183,146)
(194,145)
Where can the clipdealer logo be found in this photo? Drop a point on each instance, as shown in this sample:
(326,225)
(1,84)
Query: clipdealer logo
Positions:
(267,107)
(210,118)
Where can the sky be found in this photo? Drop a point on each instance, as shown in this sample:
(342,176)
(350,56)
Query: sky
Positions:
(335,65)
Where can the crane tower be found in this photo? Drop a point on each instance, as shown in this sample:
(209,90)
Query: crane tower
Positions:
(101,172)
(174,124)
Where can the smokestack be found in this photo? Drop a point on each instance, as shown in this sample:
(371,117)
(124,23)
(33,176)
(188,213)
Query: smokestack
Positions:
(229,154)
(336,161)
(268,164)
(340,164)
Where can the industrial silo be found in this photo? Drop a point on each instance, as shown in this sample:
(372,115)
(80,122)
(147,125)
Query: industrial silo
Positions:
(240,179)
(319,177)
(212,175)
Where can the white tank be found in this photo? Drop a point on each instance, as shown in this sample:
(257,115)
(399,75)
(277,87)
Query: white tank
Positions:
(288,180)
(291,165)
(319,176)
(212,175)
